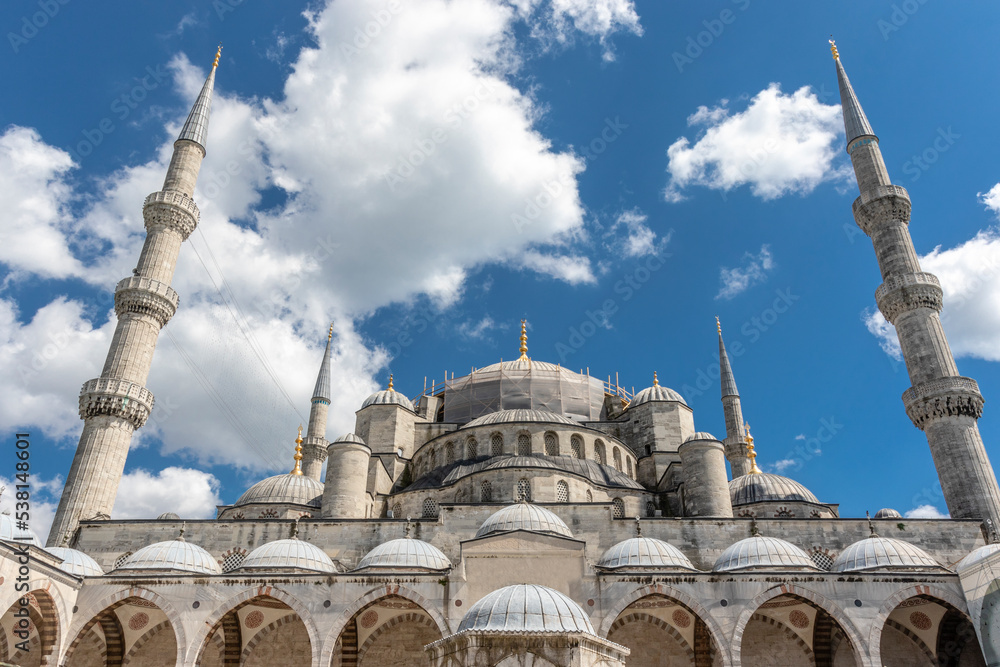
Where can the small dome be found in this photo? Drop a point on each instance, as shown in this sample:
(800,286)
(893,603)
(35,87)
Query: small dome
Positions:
(887,513)
(762,552)
(875,553)
(172,555)
(700,435)
(10,532)
(977,555)
(763,487)
(526,608)
(405,553)
(656,393)
(76,562)
(290,553)
(642,552)
(350,437)
(167,516)
(287,488)
(524,516)
(509,416)
(388,397)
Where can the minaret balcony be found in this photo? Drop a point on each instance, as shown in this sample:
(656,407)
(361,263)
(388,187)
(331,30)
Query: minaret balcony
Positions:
(146,296)
(943,397)
(880,205)
(117,398)
(171,209)
(901,294)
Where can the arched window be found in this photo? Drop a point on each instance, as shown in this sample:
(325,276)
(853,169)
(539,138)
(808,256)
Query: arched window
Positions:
(599,452)
(233,560)
(523,490)
(616,458)
(650,508)
(590,497)
(471,448)
(562,492)
(523,444)
(449,453)
(551,445)
(576,444)
(496,444)
(430,509)
(397,511)
(628,462)
(121,560)
(486,492)
(618,508)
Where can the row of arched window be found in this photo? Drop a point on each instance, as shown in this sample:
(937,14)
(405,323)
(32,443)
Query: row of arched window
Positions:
(522,492)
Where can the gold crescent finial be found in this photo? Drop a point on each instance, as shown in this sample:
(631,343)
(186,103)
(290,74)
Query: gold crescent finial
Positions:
(833,48)
(297,470)
(718,324)
(751,454)
(218,54)
(524,339)
(329,336)
(656,380)
(389,388)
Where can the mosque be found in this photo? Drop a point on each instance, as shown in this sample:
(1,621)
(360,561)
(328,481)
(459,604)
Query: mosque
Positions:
(523,515)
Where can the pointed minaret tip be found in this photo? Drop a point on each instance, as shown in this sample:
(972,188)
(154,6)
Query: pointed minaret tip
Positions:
(196,126)
(727,380)
(855,122)
(322,391)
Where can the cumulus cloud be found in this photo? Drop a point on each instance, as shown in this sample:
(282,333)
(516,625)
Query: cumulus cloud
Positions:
(573,269)
(477,330)
(991,199)
(780,144)
(556,21)
(191,494)
(925,512)
(739,279)
(44,500)
(631,237)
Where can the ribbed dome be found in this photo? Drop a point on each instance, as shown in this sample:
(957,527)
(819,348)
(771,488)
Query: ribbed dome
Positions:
(405,553)
(388,397)
(522,462)
(873,553)
(977,555)
(9,531)
(290,553)
(656,393)
(700,435)
(287,488)
(762,552)
(526,608)
(524,516)
(167,516)
(172,555)
(643,552)
(758,488)
(76,562)
(350,437)
(522,365)
(888,513)
(508,416)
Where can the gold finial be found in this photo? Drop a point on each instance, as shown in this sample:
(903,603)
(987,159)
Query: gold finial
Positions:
(718,324)
(389,388)
(751,454)
(833,48)
(329,336)
(524,339)
(297,470)
(218,54)
(656,380)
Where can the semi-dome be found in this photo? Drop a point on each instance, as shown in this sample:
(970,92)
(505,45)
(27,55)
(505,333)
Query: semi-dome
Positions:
(172,555)
(643,552)
(876,553)
(656,393)
(388,397)
(351,437)
(509,416)
(764,487)
(762,552)
(10,532)
(405,553)
(288,554)
(888,513)
(76,562)
(700,435)
(287,488)
(977,555)
(526,608)
(524,516)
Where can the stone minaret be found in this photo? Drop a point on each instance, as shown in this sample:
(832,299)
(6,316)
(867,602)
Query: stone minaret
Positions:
(943,404)
(736,452)
(314,450)
(114,405)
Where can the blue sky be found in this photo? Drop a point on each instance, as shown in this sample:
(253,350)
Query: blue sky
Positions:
(616,173)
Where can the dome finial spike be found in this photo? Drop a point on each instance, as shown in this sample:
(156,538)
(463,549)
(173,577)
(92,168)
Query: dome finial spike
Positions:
(833,48)
(751,454)
(329,336)
(656,380)
(297,470)
(871,525)
(718,325)
(638,527)
(389,388)
(524,339)
(218,54)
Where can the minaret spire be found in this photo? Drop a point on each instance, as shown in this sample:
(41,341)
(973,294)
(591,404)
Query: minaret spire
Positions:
(314,450)
(117,403)
(524,340)
(940,402)
(736,452)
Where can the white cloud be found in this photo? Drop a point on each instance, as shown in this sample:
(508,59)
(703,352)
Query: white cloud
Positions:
(44,499)
(554,21)
(991,199)
(800,436)
(784,464)
(573,269)
(191,494)
(925,512)
(780,144)
(630,236)
(883,331)
(477,330)
(754,270)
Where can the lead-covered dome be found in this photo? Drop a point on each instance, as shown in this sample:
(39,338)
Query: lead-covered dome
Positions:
(888,513)
(405,554)
(762,552)
(10,532)
(76,562)
(509,416)
(644,552)
(524,516)
(656,393)
(877,553)
(288,554)
(977,555)
(351,437)
(287,488)
(526,608)
(700,435)
(174,555)
(765,487)
(388,397)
